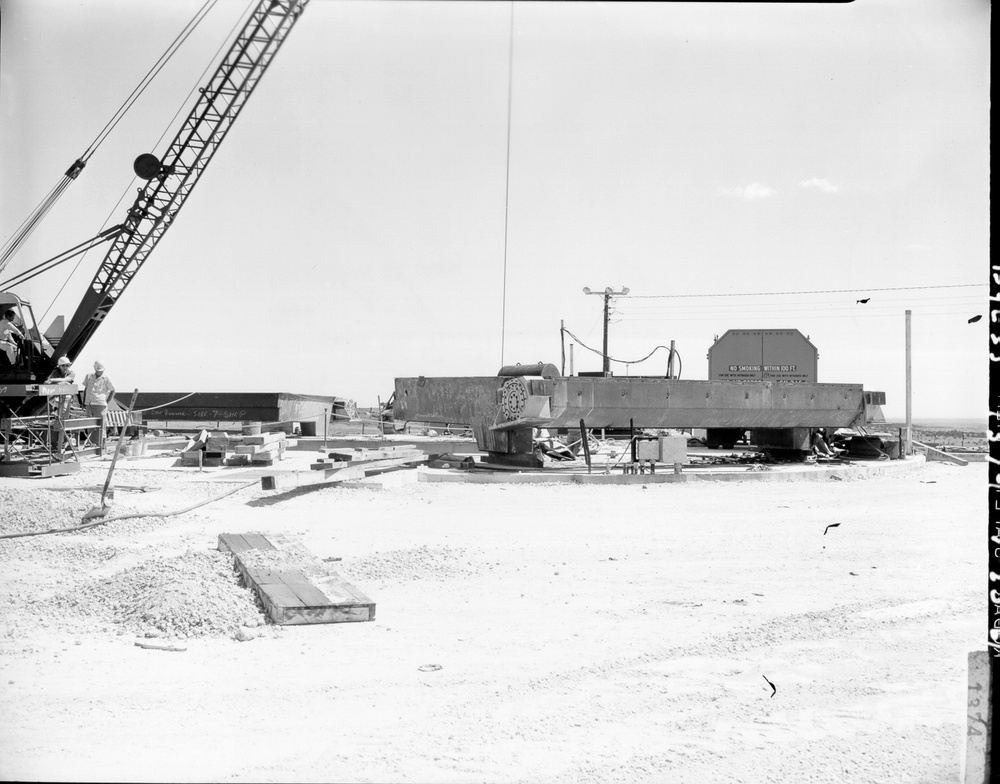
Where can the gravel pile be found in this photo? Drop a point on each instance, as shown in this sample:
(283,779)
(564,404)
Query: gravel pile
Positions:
(192,595)
(420,563)
(23,511)
(281,560)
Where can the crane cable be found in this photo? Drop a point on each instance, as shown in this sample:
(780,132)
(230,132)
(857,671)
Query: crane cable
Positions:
(166,129)
(153,72)
(66,255)
(506,197)
(30,223)
(25,230)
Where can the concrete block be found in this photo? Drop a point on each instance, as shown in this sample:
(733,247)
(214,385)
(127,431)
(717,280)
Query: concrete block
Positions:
(647,449)
(673,449)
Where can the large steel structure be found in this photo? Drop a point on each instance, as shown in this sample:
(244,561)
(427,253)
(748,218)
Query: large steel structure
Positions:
(504,410)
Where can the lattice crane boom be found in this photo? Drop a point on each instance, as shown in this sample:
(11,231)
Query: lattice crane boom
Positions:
(171,179)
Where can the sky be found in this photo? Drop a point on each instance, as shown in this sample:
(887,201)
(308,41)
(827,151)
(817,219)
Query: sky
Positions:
(425,188)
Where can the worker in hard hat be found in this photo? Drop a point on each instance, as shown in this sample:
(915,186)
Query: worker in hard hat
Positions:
(98,391)
(63,373)
(10,333)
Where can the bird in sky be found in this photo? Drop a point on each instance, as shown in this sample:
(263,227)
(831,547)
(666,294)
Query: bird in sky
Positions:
(974,319)
(864,301)
(831,525)
(774,689)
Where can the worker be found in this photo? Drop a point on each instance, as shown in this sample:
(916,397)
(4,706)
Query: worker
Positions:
(819,446)
(63,373)
(98,391)
(8,332)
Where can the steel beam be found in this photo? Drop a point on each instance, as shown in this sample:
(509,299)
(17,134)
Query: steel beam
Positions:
(648,402)
(612,403)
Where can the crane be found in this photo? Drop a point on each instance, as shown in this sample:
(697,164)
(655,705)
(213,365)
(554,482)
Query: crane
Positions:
(169,181)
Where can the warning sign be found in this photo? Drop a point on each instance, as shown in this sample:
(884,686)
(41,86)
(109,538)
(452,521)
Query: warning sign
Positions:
(763,355)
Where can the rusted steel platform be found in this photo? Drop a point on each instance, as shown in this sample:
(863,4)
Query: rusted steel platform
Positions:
(238,406)
(292,584)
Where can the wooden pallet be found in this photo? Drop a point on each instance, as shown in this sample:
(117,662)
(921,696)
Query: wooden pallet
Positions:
(310,593)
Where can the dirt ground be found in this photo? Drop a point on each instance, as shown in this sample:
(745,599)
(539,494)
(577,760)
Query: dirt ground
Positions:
(582,633)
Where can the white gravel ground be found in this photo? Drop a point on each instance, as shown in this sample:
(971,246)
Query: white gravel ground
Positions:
(583,634)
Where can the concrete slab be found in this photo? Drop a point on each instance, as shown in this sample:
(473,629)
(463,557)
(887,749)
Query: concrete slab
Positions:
(576,475)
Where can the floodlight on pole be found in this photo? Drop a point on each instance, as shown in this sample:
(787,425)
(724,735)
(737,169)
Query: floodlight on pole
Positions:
(608,293)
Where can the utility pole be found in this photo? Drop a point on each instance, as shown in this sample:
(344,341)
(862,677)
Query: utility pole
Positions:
(909,390)
(608,293)
(562,346)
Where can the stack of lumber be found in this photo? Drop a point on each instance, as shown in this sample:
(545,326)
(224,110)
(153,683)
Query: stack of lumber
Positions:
(265,448)
(219,448)
(346,465)
(292,584)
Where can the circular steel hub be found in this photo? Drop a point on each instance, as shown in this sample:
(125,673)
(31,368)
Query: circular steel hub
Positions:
(513,398)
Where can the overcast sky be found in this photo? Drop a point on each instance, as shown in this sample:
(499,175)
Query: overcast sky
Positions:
(358,223)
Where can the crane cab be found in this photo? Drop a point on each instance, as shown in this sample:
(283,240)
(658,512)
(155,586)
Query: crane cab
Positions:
(25,353)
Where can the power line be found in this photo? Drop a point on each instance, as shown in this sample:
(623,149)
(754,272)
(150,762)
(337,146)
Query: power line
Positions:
(798,307)
(762,315)
(816,291)
(747,307)
(612,359)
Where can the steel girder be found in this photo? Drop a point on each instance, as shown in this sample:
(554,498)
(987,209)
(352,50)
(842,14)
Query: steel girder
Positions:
(641,402)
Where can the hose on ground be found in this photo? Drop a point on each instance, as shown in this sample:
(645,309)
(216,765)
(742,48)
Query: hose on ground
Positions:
(134,515)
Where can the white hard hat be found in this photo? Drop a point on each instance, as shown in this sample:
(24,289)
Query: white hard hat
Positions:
(64,361)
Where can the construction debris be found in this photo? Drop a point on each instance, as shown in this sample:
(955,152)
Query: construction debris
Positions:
(219,448)
(153,647)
